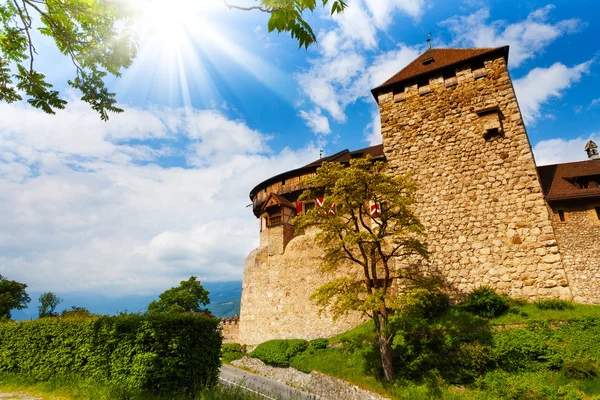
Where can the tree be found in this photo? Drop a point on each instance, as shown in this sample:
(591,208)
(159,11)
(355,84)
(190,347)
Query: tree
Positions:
(98,37)
(367,222)
(76,312)
(48,303)
(12,296)
(188,297)
(288,16)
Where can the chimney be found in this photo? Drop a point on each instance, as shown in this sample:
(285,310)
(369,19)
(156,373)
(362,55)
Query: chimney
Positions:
(591,149)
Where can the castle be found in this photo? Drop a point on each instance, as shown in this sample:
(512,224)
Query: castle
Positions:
(451,119)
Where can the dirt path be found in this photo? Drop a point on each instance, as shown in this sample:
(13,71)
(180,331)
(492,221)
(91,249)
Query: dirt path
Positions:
(18,396)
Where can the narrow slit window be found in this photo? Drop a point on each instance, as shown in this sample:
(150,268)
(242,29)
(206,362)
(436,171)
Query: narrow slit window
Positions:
(283,182)
(561,215)
(598,212)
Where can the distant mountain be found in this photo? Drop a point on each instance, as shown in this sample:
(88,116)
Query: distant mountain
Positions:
(225,309)
(220,292)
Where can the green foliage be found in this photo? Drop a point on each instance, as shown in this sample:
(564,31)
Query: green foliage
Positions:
(317,344)
(154,354)
(48,303)
(515,350)
(95,35)
(12,296)
(279,352)
(288,16)
(580,368)
(76,312)
(232,351)
(486,302)
(188,297)
(553,304)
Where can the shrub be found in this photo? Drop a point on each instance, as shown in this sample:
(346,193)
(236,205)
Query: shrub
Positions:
(159,354)
(317,344)
(517,350)
(580,369)
(553,304)
(279,352)
(486,302)
(232,351)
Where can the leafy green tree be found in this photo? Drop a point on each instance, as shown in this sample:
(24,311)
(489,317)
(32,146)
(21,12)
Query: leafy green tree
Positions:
(288,16)
(188,297)
(76,312)
(12,297)
(366,222)
(96,35)
(48,303)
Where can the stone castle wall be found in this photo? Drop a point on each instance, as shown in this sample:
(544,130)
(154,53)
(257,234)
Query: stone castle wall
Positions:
(230,329)
(276,291)
(479,196)
(578,238)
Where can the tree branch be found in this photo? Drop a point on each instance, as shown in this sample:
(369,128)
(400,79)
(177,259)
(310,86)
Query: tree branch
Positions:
(259,8)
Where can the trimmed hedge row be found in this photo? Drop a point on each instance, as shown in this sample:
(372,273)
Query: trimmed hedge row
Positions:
(158,354)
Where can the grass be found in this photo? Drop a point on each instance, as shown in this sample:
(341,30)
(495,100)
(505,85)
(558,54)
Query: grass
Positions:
(572,333)
(74,388)
(530,313)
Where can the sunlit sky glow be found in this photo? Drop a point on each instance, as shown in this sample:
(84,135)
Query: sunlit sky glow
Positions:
(215,104)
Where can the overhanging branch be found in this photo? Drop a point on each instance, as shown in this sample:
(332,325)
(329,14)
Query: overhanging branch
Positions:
(259,8)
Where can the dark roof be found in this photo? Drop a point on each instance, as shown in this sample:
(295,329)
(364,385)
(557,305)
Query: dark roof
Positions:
(282,200)
(442,58)
(558,181)
(342,156)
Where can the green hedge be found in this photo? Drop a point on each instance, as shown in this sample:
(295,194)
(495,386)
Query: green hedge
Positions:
(279,352)
(158,354)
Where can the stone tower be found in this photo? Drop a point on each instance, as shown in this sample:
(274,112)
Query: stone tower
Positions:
(451,118)
(591,148)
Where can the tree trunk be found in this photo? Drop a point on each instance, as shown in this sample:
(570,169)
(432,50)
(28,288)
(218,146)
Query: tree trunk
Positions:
(385,348)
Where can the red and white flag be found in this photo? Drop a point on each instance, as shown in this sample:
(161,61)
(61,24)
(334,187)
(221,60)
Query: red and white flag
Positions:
(375,210)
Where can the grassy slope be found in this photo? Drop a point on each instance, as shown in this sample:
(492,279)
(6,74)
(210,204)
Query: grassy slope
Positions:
(79,389)
(572,341)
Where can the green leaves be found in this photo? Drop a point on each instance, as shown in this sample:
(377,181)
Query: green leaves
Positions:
(188,297)
(94,34)
(154,354)
(12,296)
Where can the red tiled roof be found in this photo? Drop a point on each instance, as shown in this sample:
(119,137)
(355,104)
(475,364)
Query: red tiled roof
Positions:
(558,180)
(442,58)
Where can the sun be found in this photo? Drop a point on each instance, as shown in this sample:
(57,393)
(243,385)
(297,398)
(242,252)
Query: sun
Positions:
(186,44)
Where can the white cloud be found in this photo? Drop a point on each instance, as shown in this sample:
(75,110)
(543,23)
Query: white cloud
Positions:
(383,10)
(373,130)
(349,63)
(81,210)
(554,151)
(316,121)
(540,85)
(527,38)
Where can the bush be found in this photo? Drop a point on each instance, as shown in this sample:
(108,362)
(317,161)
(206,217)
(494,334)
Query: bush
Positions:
(159,354)
(517,350)
(580,369)
(553,304)
(279,352)
(232,351)
(486,302)
(318,344)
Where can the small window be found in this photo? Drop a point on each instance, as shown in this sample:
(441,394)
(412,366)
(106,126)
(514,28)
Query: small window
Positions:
(428,61)
(561,215)
(598,212)
(309,206)
(283,182)
(492,134)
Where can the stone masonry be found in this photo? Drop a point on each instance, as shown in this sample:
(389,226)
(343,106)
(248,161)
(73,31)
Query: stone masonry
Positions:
(479,195)
(276,291)
(579,241)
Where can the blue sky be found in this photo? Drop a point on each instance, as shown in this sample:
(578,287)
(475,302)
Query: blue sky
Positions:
(214,105)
